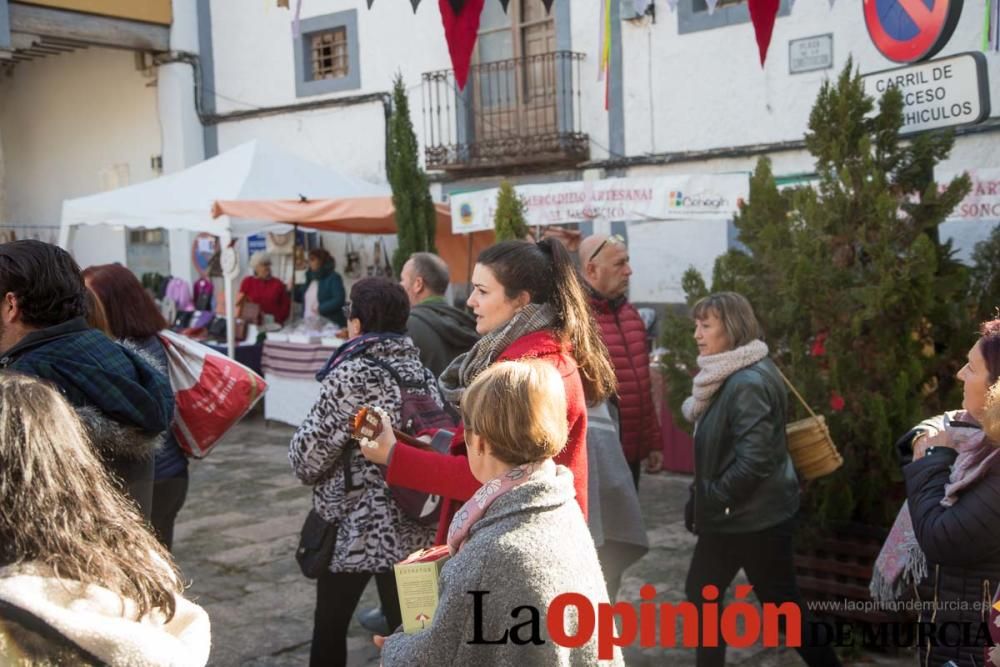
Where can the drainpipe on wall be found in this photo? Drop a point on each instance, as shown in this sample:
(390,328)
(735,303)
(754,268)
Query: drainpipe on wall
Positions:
(261,112)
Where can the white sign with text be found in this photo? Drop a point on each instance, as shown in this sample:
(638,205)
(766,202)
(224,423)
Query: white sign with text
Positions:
(983,201)
(613,199)
(937,93)
(810,54)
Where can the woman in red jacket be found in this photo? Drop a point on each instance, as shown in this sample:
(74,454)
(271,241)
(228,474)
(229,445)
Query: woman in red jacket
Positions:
(528,303)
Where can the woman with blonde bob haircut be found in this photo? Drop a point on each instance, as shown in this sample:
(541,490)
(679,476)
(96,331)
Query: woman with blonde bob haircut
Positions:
(81,579)
(531,427)
(521,536)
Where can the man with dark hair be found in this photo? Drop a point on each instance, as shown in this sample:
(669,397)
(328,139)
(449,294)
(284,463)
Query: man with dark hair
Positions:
(440,331)
(123,402)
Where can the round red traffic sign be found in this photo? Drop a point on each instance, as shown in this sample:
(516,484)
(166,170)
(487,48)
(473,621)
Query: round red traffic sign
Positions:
(906,31)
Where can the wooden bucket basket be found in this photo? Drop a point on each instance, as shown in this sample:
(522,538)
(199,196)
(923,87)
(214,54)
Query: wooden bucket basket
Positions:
(809,443)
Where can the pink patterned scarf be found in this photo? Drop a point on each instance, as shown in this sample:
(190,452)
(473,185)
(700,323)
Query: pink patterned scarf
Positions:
(474,509)
(901,563)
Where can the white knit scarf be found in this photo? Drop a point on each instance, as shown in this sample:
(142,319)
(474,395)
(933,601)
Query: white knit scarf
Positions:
(715,368)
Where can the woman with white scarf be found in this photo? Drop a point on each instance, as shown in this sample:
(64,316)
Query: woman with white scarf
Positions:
(745,495)
(82,580)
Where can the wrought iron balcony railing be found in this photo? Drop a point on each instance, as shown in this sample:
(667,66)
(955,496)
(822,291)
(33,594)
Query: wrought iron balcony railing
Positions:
(517,112)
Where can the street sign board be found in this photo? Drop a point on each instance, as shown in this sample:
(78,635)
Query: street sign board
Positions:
(810,54)
(938,93)
(907,31)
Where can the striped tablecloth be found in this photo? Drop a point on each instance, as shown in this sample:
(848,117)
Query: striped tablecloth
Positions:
(294,360)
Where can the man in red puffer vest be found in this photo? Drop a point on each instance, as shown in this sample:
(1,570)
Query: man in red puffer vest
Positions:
(606,271)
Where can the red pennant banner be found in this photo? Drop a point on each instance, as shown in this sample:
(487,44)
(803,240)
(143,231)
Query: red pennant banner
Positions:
(460,31)
(763,14)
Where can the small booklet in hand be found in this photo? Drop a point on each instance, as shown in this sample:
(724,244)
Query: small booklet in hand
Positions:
(417,581)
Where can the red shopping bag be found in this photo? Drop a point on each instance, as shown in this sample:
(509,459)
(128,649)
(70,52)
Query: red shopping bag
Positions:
(211,392)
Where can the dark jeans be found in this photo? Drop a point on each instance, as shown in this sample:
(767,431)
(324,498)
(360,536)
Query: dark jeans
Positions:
(337,595)
(635,468)
(615,558)
(135,480)
(168,499)
(766,557)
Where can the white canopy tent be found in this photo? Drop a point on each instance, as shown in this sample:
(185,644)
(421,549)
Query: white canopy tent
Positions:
(255,170)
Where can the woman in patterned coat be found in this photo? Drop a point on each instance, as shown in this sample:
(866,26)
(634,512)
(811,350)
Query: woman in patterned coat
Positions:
(373,533)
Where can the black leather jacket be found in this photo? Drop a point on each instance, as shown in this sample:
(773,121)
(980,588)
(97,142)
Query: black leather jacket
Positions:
(744,478)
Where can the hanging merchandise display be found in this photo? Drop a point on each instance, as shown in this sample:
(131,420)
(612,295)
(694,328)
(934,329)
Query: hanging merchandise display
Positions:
(762,14)
(377,268)
(281,247)
(280,244)
(386,261)
(353,268)
(301,260)
(203,249)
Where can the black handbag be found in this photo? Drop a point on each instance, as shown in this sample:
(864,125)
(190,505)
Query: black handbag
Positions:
(316,544)
(217,329)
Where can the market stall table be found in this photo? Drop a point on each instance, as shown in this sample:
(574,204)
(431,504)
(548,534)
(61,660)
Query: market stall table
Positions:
(290,372)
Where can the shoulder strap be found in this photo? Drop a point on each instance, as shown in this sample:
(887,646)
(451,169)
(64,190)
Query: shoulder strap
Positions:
(797,394)
(395,375)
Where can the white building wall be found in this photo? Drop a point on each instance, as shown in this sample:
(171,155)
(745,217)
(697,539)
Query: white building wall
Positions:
(74,125)
(182,135)
(585,21)
(708,89)
(699,91)
(254,67)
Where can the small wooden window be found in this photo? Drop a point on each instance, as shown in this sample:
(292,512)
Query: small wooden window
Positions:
(329,54)
(702,5)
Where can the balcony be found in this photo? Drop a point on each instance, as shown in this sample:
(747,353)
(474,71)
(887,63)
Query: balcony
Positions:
(522,112)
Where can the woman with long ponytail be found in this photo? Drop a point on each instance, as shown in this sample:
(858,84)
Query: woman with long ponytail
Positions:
(528,303)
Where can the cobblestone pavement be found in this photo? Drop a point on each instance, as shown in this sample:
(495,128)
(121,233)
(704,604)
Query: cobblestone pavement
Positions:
(236,537)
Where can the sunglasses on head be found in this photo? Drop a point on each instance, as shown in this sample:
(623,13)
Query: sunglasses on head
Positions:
(614,238)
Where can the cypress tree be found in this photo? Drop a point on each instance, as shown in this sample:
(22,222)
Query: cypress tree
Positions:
(986,275)
(863,308)
(416,223)
(508,220)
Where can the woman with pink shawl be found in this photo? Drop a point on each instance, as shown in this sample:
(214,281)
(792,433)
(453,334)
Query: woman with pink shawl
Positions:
(944,547)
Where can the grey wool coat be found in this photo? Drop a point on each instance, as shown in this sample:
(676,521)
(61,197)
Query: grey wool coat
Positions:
(531,545)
